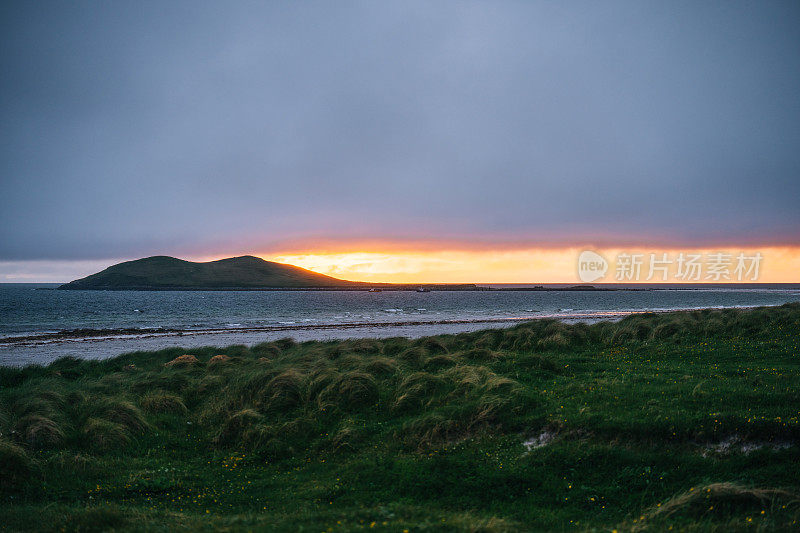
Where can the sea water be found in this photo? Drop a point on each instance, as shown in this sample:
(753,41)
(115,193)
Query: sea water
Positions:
(37,323)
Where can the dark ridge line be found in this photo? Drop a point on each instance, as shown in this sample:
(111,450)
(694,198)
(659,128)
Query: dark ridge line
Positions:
(465,287)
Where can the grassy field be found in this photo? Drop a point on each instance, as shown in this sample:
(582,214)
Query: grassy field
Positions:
(684,421)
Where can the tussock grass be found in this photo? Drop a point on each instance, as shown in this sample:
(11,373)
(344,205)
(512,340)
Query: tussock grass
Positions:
(363,346)
(438,362)
(452,423)
(318,384)
(418,390)
(285,344)
(430,430)
(39,431)
(284,391)
(171,380)
(219,360)
(249,387)
(556,341)
(433,345)
(15,464)
(413,356)
(318,432)
(697,500)
(183,360)
(208,386)
(349,361)
(354,390)
(346,439)
(469,379)
(489,340)
(103,435)
(267,350)
(395,345)
(380,366)
(162,402)
(118,411)
(28,406)
(234,429)
(700,504)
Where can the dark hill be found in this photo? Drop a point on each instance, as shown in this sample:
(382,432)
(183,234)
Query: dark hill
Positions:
(246,272)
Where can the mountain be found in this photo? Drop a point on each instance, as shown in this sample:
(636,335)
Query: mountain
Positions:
(165,273)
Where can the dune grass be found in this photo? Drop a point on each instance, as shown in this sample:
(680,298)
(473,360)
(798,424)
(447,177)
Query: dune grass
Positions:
(685,420)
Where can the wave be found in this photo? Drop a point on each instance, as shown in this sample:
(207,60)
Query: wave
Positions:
(288,326)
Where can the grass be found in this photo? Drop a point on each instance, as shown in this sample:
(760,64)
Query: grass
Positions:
(681,420)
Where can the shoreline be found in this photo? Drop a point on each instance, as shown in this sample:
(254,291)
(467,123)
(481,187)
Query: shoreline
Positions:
(85,334)
(208,432)
(43,352)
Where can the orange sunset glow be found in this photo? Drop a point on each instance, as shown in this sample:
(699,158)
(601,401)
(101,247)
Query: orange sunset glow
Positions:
(527,265)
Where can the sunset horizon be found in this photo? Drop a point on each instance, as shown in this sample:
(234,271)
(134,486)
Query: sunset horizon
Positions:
(452,264)
(400,266)
(469,133)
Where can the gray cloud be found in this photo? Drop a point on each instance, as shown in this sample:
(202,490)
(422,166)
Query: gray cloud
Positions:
(171,127)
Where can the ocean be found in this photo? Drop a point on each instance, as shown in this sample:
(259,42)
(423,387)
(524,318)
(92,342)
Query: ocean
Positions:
(38,324)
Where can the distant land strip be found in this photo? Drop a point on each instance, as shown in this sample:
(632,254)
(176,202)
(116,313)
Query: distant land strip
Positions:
(249,273)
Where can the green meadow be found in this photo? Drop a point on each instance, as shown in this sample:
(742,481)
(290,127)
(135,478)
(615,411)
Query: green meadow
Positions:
(685,421)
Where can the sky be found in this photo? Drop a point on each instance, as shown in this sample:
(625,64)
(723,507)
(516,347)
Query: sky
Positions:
(397,141)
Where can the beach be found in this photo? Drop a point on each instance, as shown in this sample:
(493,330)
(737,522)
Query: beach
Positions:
(38,325)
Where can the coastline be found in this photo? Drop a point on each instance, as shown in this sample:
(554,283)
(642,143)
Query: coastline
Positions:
(40,326)
(102,334)
(614,421)
(106,344)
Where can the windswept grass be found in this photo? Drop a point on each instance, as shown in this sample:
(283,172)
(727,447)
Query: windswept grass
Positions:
(16,466)
(542,426)
(701,507)
(162,402)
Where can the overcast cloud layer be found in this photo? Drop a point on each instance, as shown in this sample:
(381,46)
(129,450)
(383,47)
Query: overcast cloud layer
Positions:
(136,128)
